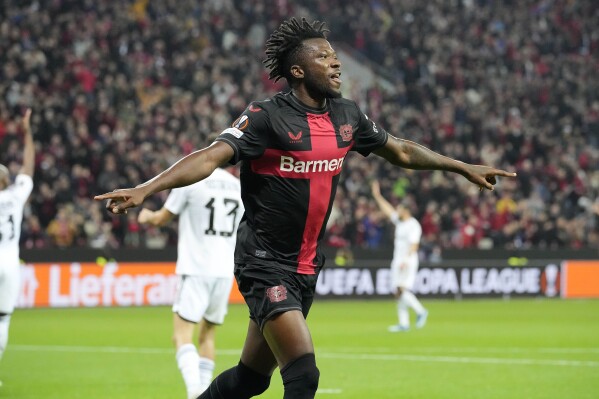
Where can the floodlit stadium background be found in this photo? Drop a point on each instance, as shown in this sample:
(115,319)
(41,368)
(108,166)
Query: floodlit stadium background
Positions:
(122,89)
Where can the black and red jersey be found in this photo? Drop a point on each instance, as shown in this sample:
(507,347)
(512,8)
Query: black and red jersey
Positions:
(292,158)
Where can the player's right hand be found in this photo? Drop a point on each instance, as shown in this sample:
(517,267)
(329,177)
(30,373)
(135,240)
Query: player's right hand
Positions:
(121,200)
(144,215)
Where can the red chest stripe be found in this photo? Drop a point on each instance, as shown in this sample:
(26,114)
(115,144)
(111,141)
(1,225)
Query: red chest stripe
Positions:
(319,165)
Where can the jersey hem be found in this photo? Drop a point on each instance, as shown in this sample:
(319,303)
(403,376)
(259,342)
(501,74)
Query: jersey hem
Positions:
(284,266)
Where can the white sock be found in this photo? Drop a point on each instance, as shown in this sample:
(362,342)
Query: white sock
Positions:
(402,313)
(412,302)
(188,361)
(4,323)
(206,371)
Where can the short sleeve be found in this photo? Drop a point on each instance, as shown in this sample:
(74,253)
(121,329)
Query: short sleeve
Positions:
(248,134)
(176,201)
(22,187)
(369,136)
(415,233)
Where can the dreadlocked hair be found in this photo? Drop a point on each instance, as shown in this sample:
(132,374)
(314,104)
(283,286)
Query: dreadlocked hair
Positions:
(284,43)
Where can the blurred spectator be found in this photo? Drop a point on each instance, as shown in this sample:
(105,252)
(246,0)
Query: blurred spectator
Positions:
(62,230)
(126,88)
(35,236)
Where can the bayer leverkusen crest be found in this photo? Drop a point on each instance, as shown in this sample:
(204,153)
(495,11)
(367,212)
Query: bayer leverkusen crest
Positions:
(276,294)
(346,132)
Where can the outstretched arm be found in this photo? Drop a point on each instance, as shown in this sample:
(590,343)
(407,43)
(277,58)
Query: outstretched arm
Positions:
(29,148)
(410,155)
(157,218)
(383,204)
(194,167)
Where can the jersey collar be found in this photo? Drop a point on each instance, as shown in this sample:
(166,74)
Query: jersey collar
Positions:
(303,107)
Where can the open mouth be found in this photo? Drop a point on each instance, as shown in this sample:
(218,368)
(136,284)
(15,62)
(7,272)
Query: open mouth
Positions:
(336,78)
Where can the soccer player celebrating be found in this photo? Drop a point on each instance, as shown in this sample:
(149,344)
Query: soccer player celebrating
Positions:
(12,200)
(292,147)
(209,213)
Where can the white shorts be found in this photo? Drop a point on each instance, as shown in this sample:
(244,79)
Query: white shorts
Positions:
(201,297)
(10,284)
(405,277)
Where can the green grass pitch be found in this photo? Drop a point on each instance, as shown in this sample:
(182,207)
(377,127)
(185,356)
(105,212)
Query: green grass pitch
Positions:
(508,349)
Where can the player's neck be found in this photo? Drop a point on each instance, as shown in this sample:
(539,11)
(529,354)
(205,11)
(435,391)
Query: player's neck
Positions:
(305,98)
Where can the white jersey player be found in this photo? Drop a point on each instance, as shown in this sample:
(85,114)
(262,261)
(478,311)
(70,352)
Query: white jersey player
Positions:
(404,265)
(13,197)
(209,213)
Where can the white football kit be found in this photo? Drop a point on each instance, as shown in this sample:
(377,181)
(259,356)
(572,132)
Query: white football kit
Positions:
(209,213)
(407,233)
(12,202)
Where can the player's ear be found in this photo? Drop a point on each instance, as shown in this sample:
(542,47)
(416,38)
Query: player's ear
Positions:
(297,71)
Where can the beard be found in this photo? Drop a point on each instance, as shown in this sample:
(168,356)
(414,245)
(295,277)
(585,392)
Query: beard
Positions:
(320,88)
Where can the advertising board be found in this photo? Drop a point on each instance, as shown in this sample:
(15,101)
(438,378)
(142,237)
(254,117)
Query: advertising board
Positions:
(74,284)
(89,284)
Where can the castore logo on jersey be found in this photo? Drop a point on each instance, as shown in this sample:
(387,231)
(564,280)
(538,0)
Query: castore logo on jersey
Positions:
(295,138)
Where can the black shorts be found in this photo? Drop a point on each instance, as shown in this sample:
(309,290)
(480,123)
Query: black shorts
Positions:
(269,290)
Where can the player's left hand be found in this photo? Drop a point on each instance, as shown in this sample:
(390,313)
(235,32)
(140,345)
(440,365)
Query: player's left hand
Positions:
(485,176)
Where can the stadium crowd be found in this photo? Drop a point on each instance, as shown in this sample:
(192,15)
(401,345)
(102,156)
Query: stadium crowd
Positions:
(123,89)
